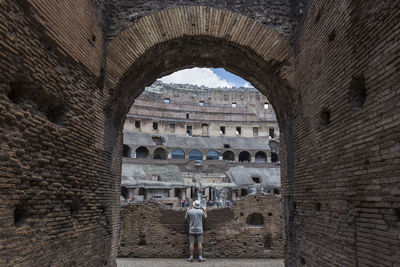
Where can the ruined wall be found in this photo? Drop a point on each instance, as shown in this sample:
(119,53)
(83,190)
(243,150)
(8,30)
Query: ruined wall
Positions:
(279,15)
(249,99)
(148,230)
(182,109)
(200,127)
(56,190)
(236,146)
(347,198)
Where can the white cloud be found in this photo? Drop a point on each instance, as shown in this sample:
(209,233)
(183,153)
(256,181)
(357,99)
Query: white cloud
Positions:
(197,76)
(247,85)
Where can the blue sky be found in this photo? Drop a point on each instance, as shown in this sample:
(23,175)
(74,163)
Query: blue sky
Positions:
(231,78)
(207,77)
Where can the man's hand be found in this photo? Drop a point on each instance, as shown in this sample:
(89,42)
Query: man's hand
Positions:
(205,212)
(189,208)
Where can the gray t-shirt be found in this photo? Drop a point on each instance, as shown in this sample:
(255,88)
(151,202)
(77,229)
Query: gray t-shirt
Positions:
(196,220)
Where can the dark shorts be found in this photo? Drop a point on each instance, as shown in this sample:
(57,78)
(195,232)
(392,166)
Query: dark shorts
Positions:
(196,237)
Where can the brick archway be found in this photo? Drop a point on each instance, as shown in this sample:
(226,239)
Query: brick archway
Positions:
(196,28)
(179,38)
(175,23)
(184,37)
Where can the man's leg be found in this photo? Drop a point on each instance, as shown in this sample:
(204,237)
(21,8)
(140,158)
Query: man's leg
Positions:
(200,247)
(200,250)
(191,247)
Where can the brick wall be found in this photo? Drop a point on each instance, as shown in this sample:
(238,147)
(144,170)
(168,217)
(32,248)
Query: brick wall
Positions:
(149,230)
(61,155)
(73,27)
(56,188)
(346,186)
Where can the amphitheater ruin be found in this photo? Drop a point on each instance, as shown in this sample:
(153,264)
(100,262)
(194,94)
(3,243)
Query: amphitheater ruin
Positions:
(218,145)
(181,141)
(70,72)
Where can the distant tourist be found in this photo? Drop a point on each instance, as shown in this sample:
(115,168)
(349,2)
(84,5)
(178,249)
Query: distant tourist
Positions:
(196,215)
(218,202)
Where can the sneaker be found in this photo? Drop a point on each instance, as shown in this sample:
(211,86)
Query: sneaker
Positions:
(190,259)
(201,259)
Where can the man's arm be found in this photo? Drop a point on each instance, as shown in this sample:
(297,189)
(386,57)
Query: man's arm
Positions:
(187,212)
(205,212)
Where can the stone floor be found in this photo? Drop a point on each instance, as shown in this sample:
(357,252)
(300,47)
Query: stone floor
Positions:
(210,262)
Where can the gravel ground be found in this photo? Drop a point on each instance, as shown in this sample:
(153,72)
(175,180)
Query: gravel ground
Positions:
(210,262)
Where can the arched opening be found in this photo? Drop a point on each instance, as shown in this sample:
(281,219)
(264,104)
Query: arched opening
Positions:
(160,153)
(142,152)
(228,195)
(142,193)
(274,157)
(228,155)
(195,155)
(202,50)
(212,155)
(178,193)
(243,192)
(126,151)
(178,153)
(224,199)
(261,156)
(268,241)
(255,219)
(124,192)
(256,179)
(244,156)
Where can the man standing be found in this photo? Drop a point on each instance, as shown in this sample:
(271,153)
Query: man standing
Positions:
(196,215)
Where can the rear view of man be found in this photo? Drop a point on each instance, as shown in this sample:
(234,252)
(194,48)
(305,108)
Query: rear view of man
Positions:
(196,215)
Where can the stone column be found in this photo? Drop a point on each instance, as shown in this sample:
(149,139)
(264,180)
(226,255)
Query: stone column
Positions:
(207,192)
(188,191)
(131,193)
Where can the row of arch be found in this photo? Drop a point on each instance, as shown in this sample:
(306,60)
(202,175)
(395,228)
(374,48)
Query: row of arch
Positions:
(195,154)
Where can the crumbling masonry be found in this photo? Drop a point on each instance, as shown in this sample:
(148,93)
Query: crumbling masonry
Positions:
(250,229)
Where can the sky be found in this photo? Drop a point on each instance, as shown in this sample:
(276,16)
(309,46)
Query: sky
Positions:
(207,77)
